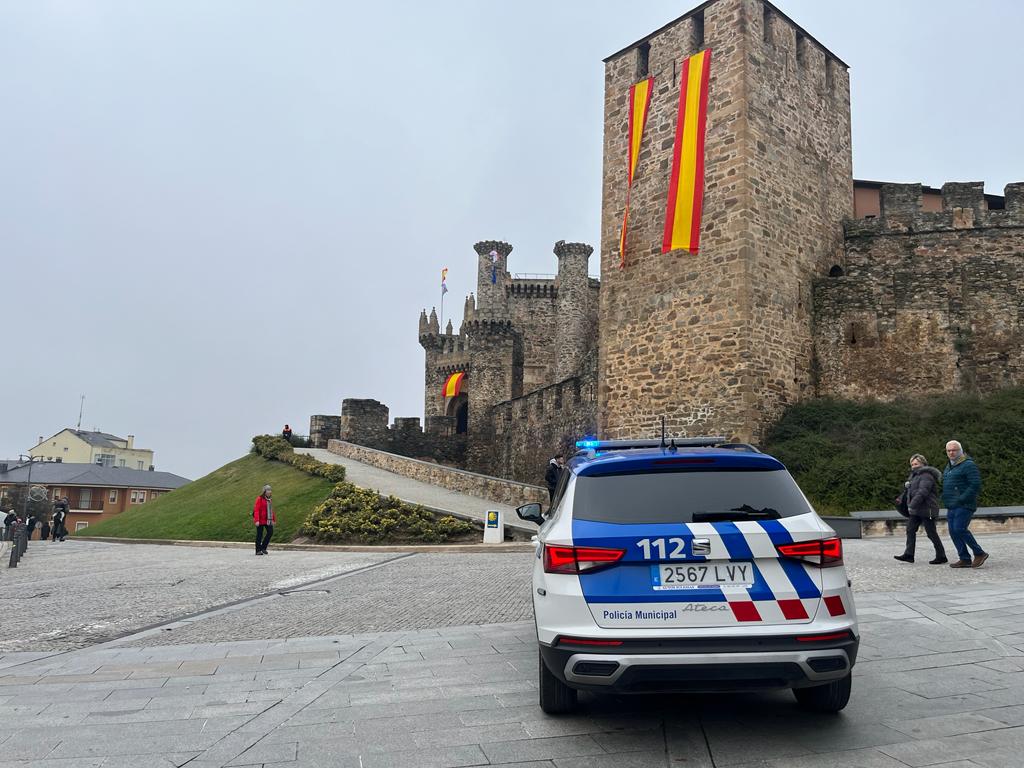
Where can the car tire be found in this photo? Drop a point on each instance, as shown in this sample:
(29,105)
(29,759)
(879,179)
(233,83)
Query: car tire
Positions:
(556,698)
(830,697)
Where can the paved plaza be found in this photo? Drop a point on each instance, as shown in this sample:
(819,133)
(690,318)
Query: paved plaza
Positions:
(346,659)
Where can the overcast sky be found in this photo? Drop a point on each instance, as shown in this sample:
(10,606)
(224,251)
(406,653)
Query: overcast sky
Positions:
(218,217)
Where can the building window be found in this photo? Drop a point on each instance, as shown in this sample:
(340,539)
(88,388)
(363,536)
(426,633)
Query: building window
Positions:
(142,465)
(81,525)
(56,494)
(643,59)
(138,497)
(105,459)
(122,462)
(113,495)
(698,29)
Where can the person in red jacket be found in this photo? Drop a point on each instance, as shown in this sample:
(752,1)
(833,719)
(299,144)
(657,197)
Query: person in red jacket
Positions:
(264,518)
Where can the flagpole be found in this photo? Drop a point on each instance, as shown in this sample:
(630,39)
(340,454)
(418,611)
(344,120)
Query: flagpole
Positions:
(441,322)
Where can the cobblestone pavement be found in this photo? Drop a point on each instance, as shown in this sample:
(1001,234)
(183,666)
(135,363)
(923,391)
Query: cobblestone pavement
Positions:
(74,594)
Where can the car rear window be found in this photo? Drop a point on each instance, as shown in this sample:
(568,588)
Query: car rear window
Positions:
(675,497)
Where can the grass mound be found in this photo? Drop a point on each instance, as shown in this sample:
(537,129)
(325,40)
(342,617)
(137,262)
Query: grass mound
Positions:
(218,507)
(850,456)
(353,515)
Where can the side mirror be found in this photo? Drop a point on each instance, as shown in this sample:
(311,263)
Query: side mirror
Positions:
(530,513)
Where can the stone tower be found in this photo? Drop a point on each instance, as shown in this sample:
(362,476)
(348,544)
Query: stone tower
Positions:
(575,330)
(721,342)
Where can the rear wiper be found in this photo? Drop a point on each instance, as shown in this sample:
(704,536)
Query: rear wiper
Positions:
(745,512)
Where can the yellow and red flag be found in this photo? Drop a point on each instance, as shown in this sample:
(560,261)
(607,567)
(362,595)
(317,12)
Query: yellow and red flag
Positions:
(686,187)
(639,104)
(453,384)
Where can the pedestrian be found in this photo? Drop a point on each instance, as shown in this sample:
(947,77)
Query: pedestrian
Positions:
(60,514)
(961,482)
(921,495)
(553,473)
(264,518)
(30,526)
(44,532)
(9,519)
(286,433)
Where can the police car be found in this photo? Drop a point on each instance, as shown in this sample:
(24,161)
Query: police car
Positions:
(688,565)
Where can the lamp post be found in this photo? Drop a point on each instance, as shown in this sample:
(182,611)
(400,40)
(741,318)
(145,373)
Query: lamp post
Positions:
(28,482)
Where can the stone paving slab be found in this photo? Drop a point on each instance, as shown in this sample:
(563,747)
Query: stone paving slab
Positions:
(940,681)
(462,696)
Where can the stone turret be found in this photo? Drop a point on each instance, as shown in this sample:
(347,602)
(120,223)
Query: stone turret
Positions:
(491,277)
(575,331)
(423,322)
(432,324)
(469,310)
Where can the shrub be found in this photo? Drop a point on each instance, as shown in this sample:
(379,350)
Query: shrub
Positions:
(850,456)
(354,515)
(279,449)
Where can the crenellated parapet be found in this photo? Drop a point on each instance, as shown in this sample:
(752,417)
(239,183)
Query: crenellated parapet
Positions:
(964,206)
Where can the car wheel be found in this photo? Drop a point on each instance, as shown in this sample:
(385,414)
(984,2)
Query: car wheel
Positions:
(830,697)
(556,698)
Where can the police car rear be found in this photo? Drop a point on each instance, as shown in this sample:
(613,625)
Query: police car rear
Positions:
(688,567)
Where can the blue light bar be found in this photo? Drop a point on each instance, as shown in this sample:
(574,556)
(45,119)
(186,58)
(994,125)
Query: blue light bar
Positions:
(588,443)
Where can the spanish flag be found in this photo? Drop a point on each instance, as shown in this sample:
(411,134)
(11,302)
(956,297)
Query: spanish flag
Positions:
(453,384)
(686,187)
(639,105)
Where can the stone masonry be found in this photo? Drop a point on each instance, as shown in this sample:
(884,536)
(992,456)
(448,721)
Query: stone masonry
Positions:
(789,298)
(720,342)
(925,302)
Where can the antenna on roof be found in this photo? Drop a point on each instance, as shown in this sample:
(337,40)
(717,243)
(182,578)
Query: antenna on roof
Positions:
(662,431)
(81,408)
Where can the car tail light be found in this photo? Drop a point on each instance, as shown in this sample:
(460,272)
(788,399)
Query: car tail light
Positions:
(558,559)
(826,553)
(587,641)
(844,635)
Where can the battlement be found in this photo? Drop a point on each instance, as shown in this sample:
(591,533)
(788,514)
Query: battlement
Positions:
(964,206)
(558,399)
(532,288)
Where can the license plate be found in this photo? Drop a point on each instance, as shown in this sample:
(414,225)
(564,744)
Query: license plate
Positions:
(702,576)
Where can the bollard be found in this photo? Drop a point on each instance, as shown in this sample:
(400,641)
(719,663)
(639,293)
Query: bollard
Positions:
(494,527)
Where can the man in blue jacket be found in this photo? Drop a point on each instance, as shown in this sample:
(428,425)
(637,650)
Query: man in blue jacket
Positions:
(961,482)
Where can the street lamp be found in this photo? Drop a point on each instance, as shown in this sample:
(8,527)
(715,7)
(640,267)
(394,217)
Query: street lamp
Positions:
(28,482)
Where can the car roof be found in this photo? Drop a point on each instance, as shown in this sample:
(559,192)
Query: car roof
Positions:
(594,463)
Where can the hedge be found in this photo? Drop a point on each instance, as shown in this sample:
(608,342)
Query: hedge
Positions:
(355,515)
(279,449)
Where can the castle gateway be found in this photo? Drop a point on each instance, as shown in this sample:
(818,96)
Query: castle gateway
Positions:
(806,282)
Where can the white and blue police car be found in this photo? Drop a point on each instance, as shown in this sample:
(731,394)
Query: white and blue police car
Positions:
(688,565)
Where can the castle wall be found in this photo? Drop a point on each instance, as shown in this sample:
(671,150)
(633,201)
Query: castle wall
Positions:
(928,301)
(365,422)
(721,341)
(533,311)
(529,430)
(323,427)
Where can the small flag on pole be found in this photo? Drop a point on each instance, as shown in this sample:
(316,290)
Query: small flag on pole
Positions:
(444,276)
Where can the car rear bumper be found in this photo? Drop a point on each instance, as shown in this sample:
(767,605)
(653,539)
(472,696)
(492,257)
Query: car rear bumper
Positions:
(768,664)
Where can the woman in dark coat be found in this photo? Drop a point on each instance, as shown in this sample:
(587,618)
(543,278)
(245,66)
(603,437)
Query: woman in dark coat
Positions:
(922,497)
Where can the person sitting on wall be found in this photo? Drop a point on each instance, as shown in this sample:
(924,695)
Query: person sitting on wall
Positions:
(553,473)
(286,433)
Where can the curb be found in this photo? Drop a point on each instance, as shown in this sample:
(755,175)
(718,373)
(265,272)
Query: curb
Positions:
(524,546)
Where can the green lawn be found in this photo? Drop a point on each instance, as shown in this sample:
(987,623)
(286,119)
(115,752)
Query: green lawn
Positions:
(218,507)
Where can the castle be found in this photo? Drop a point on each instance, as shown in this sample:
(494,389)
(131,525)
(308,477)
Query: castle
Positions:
(808,283)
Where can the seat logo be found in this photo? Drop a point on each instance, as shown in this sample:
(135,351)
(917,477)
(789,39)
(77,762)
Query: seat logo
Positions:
(701,547)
